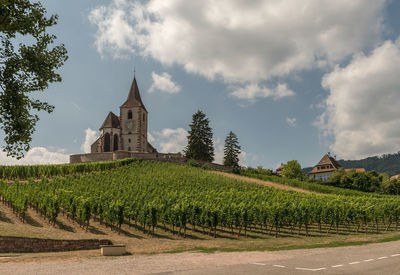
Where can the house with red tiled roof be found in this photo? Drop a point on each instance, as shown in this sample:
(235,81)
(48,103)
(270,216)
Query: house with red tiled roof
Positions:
(395,177)
(327,166)
(324,168)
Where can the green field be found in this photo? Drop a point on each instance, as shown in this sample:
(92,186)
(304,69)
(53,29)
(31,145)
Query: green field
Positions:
(310,186)
(178,198)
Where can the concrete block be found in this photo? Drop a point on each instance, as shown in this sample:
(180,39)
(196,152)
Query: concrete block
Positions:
(113,250)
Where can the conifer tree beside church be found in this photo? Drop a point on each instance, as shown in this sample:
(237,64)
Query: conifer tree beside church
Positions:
(200,143)
(231,151)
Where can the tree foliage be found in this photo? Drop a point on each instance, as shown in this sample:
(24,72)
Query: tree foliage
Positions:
(371,181)
(200,143)
(231,150)
(25,68)
(292,170)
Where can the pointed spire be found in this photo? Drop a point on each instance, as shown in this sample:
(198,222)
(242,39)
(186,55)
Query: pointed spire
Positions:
(134,98)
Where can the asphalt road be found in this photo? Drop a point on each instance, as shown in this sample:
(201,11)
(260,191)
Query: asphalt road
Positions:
(376,259)
(383,258)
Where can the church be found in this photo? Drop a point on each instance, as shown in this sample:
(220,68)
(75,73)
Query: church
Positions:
(123,136)
(128,131)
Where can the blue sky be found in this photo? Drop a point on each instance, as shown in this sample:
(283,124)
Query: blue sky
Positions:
(292,80)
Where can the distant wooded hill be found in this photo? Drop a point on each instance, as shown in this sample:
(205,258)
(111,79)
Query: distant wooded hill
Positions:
(389,164)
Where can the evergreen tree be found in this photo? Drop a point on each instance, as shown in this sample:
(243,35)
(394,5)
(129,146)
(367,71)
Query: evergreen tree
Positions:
(200,142)
(231,151)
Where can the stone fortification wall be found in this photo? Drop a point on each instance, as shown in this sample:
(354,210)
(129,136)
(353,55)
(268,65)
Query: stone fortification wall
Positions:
(29,245)
(172,158)
(82,158)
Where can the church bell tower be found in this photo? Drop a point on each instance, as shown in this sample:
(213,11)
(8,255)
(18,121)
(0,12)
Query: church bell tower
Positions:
(133,120)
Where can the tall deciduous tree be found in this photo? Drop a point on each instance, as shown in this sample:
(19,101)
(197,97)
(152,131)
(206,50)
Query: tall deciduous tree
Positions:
(231,150)
(292,170)
(200,142)
(25,68)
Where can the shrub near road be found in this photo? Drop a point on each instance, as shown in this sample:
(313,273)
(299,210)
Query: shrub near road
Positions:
(176,197)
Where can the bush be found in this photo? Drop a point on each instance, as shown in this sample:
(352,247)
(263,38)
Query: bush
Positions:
(193,163)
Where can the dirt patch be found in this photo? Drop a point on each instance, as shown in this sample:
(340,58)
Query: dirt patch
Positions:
(132,264)
(262,182)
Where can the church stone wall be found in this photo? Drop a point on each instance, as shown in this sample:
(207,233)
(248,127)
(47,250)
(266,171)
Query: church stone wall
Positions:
(172,158)
(82,158)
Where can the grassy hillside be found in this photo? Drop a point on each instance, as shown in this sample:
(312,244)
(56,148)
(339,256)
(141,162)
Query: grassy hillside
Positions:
(163,195)
(161,206)
(310,186)
(389,164)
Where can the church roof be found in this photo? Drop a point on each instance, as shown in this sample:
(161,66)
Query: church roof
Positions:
(111,121)
(326,164)
(134,98)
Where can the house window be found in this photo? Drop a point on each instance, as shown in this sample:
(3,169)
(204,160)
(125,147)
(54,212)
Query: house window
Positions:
(129,140)
(130,114)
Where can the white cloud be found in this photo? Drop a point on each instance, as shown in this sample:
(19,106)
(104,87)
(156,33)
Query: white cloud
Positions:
(76,105)
(253,91)
(363,108)
(163,83)
(218,151)
(36,155)
(90,137)
(150,138)
(170,140)
(115,34)
(291,121)
(235,40)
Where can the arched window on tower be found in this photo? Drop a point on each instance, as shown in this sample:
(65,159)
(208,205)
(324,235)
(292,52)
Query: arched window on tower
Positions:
(115,147)
(107,142)
(130,114)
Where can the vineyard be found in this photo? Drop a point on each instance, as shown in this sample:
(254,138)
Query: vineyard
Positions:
(311,186)
(38,171)
(177,198)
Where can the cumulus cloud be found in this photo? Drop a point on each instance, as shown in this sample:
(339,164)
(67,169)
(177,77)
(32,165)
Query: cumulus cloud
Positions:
(170,140)
(253,91)
(238,41)
(363,108)
(150,138)
(163,83)
(90,137)
(291,121)
(36,155)
(115,33)
(218,151)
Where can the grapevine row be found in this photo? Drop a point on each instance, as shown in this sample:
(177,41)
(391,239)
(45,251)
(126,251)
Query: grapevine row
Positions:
(167,196)
(39,171)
